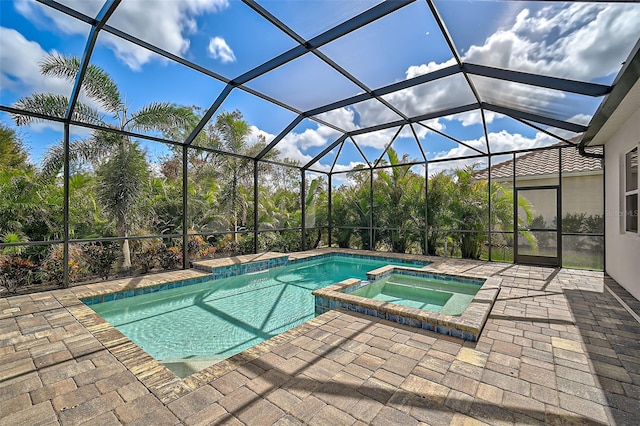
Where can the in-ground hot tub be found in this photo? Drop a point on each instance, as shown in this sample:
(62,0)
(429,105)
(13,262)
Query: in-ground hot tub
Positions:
(456,305)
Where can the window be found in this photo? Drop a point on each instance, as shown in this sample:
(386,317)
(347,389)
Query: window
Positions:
(631,190)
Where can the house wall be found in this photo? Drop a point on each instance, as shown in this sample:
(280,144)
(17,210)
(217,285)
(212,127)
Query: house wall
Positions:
(581,193)
(622,249)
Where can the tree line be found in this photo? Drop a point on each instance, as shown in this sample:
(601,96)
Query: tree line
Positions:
(117,190)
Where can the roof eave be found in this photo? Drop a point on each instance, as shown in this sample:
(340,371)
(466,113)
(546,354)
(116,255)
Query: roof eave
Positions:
(626,79)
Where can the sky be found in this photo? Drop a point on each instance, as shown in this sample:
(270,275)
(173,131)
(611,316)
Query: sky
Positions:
(580,41)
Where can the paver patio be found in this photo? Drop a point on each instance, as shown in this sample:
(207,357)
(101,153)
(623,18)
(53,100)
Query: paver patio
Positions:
(558,348)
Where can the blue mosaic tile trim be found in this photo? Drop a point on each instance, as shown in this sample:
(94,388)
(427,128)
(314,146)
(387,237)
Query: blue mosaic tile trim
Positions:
(247,268)
(407,262)
(146,290)
(355,287)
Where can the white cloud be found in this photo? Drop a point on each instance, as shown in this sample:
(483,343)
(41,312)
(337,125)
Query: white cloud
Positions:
(502,141)
(470,118)
(346,167)
(582,41)
(372,113)
(377,140)
(166,25)
(20,72)
(43,16)
(219,49)
(416,70)
(292,145)
(256,134)
(308,138)
(583,119)
(289,147)
(434,123)
(343,118)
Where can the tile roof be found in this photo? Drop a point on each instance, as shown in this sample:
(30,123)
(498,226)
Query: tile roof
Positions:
(545,162)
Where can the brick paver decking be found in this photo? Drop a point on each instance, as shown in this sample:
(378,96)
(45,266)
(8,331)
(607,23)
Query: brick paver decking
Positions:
(558,348)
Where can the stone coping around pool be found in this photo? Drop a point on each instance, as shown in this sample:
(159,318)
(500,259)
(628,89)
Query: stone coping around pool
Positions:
(136,284)
(387,270)
(210,264)
(467,326)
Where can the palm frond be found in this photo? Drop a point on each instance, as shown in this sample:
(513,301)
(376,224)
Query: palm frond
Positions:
(87,114)
(162,116)
(234,131)
(91,149)
(96,84)
(54,106)
(40,103)
(61,66)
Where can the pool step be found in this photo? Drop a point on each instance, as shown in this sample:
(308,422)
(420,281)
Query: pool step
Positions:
(434,284)
(423,286)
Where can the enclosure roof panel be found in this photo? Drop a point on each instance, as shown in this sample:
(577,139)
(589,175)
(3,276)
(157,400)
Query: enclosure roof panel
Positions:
(455,78)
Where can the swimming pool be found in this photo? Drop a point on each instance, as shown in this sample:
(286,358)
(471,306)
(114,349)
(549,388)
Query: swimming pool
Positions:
(206,322)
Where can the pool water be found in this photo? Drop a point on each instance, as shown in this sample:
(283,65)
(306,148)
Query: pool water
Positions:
(431,294)
(203,323)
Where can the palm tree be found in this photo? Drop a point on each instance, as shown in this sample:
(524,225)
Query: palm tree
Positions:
(401,192)
(121,164)
(25,208)
(469,210)
(316,208)
(232,132)
(360,203)
(12,153)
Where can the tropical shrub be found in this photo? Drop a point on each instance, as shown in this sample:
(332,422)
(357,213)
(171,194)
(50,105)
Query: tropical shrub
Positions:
(198,247)
(101,256)
(53,265)
(15,271)
(169,257)
(543,239)
(146,255)
(280,241)
(581,223)
(229,245)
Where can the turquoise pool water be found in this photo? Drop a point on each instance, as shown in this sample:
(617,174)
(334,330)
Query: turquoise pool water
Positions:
(430,294)
(219,318)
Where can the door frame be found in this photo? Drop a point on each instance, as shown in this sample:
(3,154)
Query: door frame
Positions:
(533,259)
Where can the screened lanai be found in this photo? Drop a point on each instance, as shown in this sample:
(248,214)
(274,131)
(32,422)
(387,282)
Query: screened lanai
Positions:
(145,135)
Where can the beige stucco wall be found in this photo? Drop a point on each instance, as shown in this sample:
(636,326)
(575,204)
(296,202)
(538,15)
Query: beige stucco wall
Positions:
(581,193)
(622,249)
